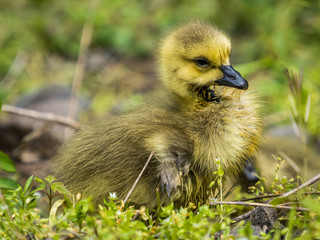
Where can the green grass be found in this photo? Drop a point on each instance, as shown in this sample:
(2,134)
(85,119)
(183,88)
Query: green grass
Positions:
(24,215)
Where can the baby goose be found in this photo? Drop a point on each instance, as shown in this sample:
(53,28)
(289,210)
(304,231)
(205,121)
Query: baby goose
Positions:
(205,115)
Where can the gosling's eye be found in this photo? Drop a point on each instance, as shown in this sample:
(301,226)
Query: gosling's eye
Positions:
(202,62)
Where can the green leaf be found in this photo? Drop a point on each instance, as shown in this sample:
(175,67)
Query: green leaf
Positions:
(212,183)
(53,211)
(312,204)
(7,183)
(220,171)
(42,186)
(0,105)
(28,184)
(60,188)
(6,163)
(31,200)
(166,211)
(50,179)
(39,180)
(277,201)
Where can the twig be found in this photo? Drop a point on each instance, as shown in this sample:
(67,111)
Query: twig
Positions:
(135,216)
(274,195)
(16,68)
(306,184)
(42,116)
(258,205)
(312,193)
(282,196)
(295,167)
(86,37)
(243,216)
(135,183)
(74,233)
(79,71)
(289,203)
(261,197)
(85,41)
(287,194)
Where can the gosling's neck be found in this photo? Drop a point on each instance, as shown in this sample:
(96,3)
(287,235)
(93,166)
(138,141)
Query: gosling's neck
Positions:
(197,99)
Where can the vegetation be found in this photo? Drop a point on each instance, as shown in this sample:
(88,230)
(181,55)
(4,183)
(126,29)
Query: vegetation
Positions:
(21,217)
(40,43)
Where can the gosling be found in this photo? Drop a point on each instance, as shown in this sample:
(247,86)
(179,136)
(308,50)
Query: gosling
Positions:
(204,115)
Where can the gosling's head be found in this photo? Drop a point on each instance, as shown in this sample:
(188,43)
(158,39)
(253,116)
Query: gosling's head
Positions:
(195,58)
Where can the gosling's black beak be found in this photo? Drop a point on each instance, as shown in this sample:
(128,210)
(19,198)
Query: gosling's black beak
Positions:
(232,78)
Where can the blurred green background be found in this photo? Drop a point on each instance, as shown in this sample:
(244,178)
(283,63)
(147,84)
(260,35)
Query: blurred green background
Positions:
(40,45)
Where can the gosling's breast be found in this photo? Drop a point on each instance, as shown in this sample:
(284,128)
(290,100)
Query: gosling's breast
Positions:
(229,132)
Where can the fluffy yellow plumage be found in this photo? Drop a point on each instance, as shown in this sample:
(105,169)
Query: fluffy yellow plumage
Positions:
(204,115)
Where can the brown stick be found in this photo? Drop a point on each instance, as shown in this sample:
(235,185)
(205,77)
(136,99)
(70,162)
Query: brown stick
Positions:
(282,196)
(259,205)
(85,41)
(42,116)
(306,184)
(243,216)
(80,69)
(275,195)
(261,197)
(135,183)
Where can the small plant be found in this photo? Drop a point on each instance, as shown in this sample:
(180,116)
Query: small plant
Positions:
(219,173)
(52,188)
(7,166)
(21,218)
